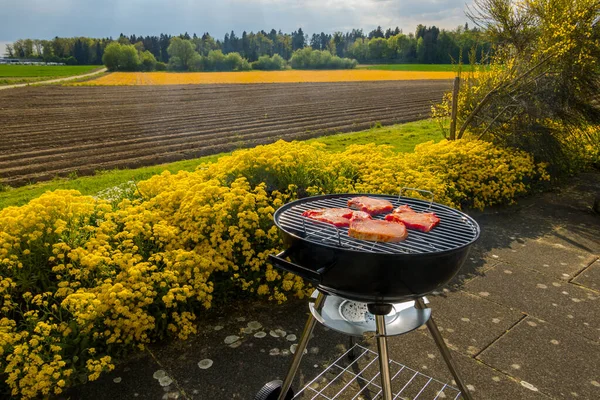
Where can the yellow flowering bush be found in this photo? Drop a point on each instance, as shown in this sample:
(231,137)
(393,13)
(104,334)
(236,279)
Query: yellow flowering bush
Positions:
(539,91)
(83,280)
(476,173)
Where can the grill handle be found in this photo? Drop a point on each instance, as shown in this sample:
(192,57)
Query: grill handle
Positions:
(280,262)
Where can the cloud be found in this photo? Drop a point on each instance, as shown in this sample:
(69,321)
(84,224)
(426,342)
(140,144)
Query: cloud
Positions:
(43,19)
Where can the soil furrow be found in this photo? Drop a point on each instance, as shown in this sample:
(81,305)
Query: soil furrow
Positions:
(53,130)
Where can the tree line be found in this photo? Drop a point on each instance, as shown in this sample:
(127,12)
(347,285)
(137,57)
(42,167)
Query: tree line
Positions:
(429,45)
(183,56)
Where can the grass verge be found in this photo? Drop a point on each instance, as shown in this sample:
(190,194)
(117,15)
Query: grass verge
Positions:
(410,67)
(17,74)
(44,70)
(402,138)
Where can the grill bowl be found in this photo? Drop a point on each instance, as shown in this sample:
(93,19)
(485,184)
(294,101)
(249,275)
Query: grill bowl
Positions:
(373,272)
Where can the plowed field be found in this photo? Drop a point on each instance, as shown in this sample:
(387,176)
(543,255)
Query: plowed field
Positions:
(50,131)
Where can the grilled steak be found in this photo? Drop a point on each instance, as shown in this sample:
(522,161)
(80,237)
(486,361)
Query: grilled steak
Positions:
(377,230)
(340,217)
(423,222)
(370,205)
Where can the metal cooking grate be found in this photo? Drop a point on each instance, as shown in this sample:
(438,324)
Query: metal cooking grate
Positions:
(455,229)
(358,379)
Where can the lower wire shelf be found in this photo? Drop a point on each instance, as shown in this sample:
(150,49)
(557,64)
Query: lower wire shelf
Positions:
(355,375)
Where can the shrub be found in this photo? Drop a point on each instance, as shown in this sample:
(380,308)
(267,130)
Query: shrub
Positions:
(161,66)
(540,89)
(83,280)
(110,58)
(267,63)
(217,61)
(175,64)
(119,57)
(71,60)
(147,61)
(308,58)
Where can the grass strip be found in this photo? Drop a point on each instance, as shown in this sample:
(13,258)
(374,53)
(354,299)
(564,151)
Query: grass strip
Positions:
(410,67)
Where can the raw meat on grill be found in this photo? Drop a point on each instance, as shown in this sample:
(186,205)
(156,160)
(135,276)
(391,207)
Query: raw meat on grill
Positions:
(340,217)
(423,222)
(377,230)
(370,205)
(358,215)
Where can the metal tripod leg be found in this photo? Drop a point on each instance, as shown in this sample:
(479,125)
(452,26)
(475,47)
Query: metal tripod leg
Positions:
(384,361)
(308,328)
(439,341)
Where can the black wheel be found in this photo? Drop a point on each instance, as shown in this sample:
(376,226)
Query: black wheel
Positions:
(271,392)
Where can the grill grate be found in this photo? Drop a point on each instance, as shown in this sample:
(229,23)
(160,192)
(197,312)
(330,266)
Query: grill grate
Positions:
(358,378)
(455,229)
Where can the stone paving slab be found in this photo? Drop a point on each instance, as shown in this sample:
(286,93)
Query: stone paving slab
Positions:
(417,350)
(544,254)
(470,323)
(241,368)
(584,236)
(556,301)
(590,277)
(545,230)
(553,360)
(132,379)
(475,265)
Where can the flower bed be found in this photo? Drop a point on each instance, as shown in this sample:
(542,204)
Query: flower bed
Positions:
(84,280)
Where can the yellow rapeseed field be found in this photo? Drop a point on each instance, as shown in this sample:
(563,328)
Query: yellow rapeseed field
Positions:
(293,76)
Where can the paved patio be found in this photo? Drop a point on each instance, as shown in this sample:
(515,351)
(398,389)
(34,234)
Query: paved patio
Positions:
(522,320)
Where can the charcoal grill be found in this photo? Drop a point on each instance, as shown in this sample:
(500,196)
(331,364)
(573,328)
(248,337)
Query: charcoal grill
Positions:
(366,286)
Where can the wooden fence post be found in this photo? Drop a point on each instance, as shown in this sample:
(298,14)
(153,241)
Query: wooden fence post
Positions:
(454,108)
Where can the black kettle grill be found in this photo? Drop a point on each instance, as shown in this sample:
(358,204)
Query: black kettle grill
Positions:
(382,276)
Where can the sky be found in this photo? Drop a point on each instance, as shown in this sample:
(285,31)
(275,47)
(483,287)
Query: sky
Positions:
(43,19)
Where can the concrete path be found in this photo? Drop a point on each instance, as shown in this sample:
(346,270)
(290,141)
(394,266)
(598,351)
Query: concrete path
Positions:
(522,320)
(67,78)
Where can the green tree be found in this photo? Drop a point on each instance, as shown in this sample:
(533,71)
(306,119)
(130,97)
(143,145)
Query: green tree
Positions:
(175,64)
(129,60)
(111,56)
(183,49)
(298,40)
(402,46)
(308,58)
(267,63)
(147,61)
(420,50)
(378,49)
(359,49)
(118,57)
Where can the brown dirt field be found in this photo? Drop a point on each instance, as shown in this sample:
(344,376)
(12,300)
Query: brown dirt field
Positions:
(54,131)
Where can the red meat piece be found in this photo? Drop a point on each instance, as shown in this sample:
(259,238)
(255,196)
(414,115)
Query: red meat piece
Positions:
(423,222)
(340,217)
(377,230)
(370,205)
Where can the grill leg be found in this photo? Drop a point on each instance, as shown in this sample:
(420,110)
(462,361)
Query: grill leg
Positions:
(439,341)
(384,361)
(308,328)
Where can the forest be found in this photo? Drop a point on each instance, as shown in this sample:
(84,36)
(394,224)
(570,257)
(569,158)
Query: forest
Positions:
(427,45)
